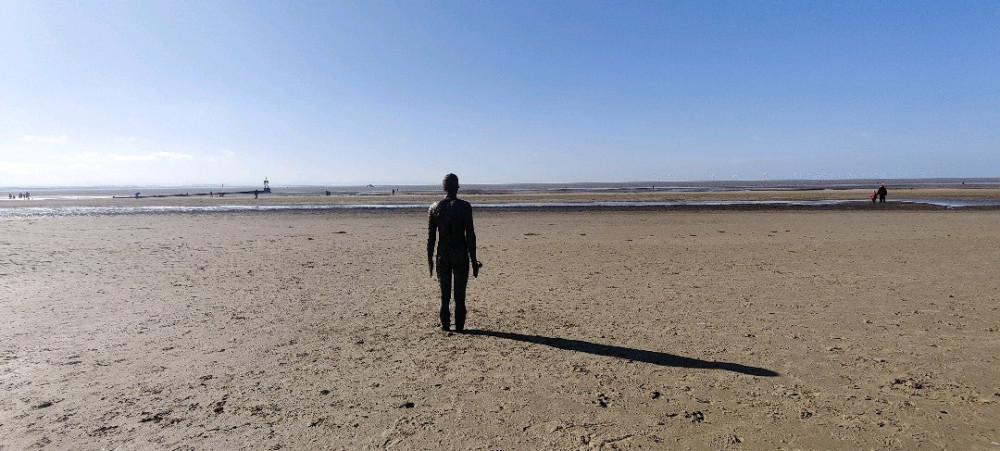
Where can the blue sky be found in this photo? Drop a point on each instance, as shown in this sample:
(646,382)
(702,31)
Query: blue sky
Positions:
(330,92)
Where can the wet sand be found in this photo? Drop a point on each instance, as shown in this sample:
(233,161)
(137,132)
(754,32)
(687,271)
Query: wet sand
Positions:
(896,199)
(590,330)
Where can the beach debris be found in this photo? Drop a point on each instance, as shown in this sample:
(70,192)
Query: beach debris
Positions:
(155,418)
(602,400)
(324,392)
(663,422)
(696,417)
(656,395)
(407,405)
(908,382)
(44,405)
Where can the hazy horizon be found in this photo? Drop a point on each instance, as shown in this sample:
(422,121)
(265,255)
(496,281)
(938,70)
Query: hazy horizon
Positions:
(803,183)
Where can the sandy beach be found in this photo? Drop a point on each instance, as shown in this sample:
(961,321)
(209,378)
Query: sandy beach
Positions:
(759,329)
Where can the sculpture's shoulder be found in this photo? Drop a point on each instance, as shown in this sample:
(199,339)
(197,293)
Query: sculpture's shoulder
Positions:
(452,205)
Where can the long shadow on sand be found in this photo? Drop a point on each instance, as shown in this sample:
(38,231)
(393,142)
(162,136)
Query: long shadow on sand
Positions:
(638,355)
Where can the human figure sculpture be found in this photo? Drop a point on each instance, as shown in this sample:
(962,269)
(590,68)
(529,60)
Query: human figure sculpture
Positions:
(449,225)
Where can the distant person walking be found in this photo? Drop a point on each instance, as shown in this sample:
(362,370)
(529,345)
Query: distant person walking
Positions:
(874,196)
(449,223)
(882,192)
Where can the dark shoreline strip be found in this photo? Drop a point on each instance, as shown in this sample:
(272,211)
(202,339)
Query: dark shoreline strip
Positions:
(846,206)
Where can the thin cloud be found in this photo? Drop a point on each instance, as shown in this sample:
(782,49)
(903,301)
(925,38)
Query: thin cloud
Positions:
(83,157)
(226,155)
(44,139)
(153,156)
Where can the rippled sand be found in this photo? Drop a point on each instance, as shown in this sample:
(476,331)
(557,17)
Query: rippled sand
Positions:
(591,329)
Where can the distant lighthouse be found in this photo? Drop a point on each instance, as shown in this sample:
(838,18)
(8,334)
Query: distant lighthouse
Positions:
(267,186)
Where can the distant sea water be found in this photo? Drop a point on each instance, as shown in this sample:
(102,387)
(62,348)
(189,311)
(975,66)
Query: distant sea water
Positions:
(88,192)
(9,208)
